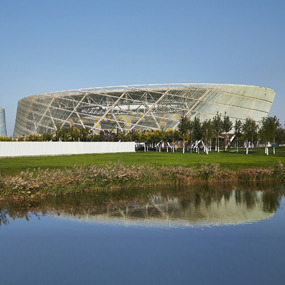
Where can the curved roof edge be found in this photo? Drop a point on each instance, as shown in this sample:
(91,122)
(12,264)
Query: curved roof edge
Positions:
(149,86)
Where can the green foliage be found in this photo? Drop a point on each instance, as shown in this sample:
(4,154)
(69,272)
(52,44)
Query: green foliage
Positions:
(184,125)
(227,124)
(280,136)
(188,130)
(279,171)
(238,128)
(47,136)
(6,139)
(33,138)
(249,129)
(217,127)
(268,130)
(207,131)
(197,129)
(217,124)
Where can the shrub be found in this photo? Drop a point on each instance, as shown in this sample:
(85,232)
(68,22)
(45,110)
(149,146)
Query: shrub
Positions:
(208,171)
(279,171)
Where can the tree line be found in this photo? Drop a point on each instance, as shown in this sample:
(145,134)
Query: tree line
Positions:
(217,132)
(268,131)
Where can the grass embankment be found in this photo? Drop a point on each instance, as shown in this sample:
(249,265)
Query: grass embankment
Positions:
(39,183)
(230,160)
(39,177)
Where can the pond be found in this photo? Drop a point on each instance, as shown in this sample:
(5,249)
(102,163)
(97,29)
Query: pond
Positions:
(207,234)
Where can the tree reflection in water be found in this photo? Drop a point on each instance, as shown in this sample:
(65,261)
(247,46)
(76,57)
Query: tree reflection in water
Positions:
(216,202)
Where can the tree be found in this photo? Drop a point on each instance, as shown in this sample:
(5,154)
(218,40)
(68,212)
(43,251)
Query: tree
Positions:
(238,129)
(249,129)
(280,135)
(197,129)
(184,128)
(268,131)
(62,134)
(207,132)
(47,136)
(197,132)
(136,135)
(217,127)
(75,133)
(84,133)
(171,136)
(227,126)
(191,127)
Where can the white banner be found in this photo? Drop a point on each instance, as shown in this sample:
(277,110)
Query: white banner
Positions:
(12,149)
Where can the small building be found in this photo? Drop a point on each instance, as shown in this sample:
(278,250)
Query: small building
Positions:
(3,130)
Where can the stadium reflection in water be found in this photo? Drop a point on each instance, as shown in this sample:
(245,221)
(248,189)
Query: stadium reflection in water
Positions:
(197,206)
(198,235)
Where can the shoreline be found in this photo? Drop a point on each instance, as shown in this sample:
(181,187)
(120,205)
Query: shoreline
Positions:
(41,183)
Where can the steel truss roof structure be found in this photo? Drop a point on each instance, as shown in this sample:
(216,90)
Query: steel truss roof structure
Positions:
(3,130)
(143,107)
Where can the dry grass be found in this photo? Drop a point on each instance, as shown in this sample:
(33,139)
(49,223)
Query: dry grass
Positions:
(41,183)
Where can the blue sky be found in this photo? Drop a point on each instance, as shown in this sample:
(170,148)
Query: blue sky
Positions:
(66,44)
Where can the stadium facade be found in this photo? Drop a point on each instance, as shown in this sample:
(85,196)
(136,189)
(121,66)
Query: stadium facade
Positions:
(143,107)
(3,130)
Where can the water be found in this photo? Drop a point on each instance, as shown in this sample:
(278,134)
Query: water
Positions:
(204,235)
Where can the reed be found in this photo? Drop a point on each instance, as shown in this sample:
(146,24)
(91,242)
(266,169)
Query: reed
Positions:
(48,182)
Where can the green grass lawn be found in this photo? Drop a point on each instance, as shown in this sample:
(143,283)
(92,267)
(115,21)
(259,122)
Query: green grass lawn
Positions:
(230,159)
